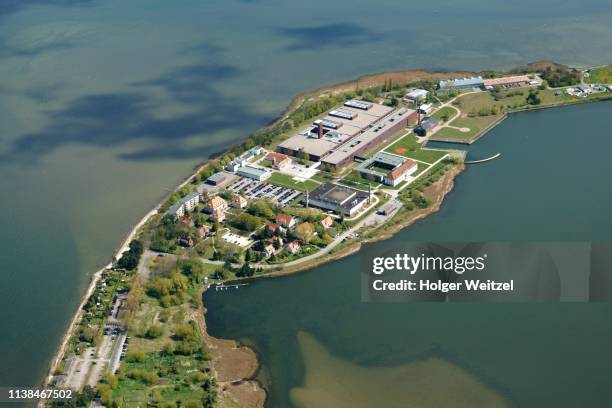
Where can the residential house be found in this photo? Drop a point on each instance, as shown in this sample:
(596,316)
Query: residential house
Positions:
(218,215)
(285,221)
(214,204)
(269,250)
(327,222)
(239,201)
(272,227)
(203,231)
(186,242)
(277,242)
(293,247)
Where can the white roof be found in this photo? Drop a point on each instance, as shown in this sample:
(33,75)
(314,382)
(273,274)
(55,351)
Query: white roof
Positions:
(417,93)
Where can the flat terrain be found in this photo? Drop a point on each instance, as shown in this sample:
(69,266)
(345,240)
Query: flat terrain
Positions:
(408,146)
(601,75)
(287,181)
(466,128)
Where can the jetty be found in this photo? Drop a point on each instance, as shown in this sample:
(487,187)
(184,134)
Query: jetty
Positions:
(495,156)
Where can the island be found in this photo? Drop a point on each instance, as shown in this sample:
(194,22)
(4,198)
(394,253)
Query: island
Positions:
(342,166)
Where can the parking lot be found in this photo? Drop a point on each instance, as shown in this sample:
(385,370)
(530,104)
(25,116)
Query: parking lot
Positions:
(253,189)
(236,239)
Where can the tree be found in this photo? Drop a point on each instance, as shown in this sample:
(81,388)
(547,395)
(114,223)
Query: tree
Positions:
(154,331)
(247,222)
(130,258)
(227,195)
(199,220)
(533,98)
(245,270)
(304,232)
(261,208)
(193,268)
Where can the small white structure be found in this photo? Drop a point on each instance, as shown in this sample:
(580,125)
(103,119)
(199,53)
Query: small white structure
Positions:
(233,166)
(254,173)
(426,108)
(416,95)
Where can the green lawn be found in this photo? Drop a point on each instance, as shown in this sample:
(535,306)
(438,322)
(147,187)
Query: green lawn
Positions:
(445,111)
(323,177)
(601,75)
(476,124)
(287,181)
(360,183)
(420,169)
(409,147)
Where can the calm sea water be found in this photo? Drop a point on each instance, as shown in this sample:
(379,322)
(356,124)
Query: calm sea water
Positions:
(550,184)
(106,104)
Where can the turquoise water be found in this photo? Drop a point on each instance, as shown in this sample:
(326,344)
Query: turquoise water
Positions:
(534,355)
(105,105)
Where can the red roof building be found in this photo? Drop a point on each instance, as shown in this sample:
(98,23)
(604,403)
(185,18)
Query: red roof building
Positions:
(278,160)
(293,247)
(285,220)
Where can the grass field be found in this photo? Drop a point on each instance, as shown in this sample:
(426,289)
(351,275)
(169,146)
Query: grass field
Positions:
(287,181)
(360,183)
(601,75)
(485,101)
(445,111)
(421,167)
(323,177)
(409,147)
(475,124)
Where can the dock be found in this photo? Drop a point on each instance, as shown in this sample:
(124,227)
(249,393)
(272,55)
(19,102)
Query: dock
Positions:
(495,156)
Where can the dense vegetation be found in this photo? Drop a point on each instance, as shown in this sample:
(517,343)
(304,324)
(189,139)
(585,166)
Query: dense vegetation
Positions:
(130,258)
(560,76)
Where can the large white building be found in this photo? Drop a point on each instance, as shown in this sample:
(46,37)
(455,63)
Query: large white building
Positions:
(185,205)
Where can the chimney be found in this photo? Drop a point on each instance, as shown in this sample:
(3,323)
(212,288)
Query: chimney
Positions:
(320,131)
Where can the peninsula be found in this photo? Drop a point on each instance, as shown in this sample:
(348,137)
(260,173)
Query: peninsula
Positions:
(343,165)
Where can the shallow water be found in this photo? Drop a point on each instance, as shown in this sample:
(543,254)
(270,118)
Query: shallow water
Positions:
(529,355)
(105,105)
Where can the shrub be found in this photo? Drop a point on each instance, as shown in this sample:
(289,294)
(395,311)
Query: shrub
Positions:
(135,357)
(154,332)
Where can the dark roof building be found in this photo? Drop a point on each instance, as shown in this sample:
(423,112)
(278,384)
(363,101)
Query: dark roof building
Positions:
(333,197)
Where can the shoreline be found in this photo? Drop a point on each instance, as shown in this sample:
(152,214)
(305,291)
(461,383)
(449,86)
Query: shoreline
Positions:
(364,81)
(446,187)
(95,277)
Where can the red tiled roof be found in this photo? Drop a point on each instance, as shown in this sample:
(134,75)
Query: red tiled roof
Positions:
(216,202)
(284,219)
(401,169)
(506,80)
